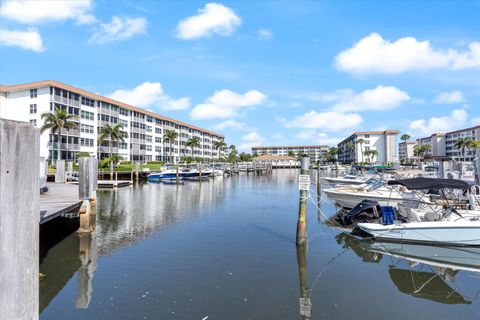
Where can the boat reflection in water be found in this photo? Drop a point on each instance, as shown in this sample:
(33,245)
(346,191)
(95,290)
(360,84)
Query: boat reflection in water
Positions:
(427,272)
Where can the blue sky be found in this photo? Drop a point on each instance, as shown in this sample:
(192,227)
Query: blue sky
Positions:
(279,72)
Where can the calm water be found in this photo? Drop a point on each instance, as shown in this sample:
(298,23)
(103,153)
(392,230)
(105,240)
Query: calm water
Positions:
(225,249)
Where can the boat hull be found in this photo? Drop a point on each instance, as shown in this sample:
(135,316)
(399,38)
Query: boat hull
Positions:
(349,201)
(463,233)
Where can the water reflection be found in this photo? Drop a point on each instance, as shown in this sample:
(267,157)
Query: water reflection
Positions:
(130,214)
(75,253)
(426,272)
(305,304)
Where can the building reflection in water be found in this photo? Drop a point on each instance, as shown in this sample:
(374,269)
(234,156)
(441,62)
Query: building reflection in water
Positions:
(124,216)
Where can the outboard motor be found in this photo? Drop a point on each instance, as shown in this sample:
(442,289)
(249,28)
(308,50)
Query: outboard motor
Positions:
(365,211)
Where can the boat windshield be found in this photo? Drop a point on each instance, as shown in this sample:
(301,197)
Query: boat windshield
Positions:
(373,184)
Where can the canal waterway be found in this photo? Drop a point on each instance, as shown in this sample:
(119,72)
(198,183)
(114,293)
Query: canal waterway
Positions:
(225,249)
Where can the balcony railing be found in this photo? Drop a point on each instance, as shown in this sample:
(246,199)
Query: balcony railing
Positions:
(64,146)
(70,132)
(105,149)
(66,101)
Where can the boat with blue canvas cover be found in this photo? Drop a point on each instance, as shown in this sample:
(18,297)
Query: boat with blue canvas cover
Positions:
(167,172)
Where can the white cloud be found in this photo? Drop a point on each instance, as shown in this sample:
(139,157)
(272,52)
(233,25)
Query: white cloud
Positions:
(119,29)
(214,18)
(36,12)
(315,137)
(150,94)
(86,20)
(450,97)
(229,124)
(28,39)
(373,54)
(475,121)
(250,140)
(327,121)
(456,119)
(379,98)
(225,104)
(264,34)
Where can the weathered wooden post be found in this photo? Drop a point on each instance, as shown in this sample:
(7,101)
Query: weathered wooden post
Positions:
(69,170)
(477,170)
(303,186)
(60,172)
(177,176)
(200,172)
(131,176)
(19,220)
(137,168)
(87,186)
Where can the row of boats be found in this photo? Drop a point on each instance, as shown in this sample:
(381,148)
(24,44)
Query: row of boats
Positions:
(418,210)
(188,172)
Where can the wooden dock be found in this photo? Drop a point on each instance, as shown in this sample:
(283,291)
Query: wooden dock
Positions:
(61,198)
(111,184)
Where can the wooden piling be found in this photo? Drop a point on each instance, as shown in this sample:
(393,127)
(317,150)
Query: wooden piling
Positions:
(19,220)
(302,204)
(177,177)
(60,171)
(137,168)
(87,186)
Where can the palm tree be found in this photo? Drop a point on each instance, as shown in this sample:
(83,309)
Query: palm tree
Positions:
(361,142)
(332,153)
(114,134)
(291,153)
(350,148)
(373,154)
(405,137)
(366,153)
(462,143)
(193,143)
(425,149)
(474,145)
(56,121)
(171,136)
(219,145)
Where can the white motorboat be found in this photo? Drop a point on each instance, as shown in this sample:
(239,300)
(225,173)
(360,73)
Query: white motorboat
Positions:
(445,226)
(373,189)
(347,179)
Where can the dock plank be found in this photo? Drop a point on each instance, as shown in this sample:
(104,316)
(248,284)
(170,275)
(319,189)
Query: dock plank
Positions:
(59,199)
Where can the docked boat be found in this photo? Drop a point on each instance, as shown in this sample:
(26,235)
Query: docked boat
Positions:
(351,178)
(373,189)
(166,173)
(439,225)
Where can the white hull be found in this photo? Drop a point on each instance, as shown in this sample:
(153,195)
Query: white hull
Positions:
(461,233)
(345,181)
(350,200)
(439,256)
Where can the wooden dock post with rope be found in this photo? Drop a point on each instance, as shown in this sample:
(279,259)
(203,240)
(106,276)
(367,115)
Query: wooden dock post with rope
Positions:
(304,187)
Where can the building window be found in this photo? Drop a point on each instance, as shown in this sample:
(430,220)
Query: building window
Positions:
(148,147)
(87,115)
(122,145)
(33,108)
(158,140)
(33,93)
(33,122)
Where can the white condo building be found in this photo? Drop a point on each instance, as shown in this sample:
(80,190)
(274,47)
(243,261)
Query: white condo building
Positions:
(384,142)
(145,129)
(405,150)
(443,144)
(315,152)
